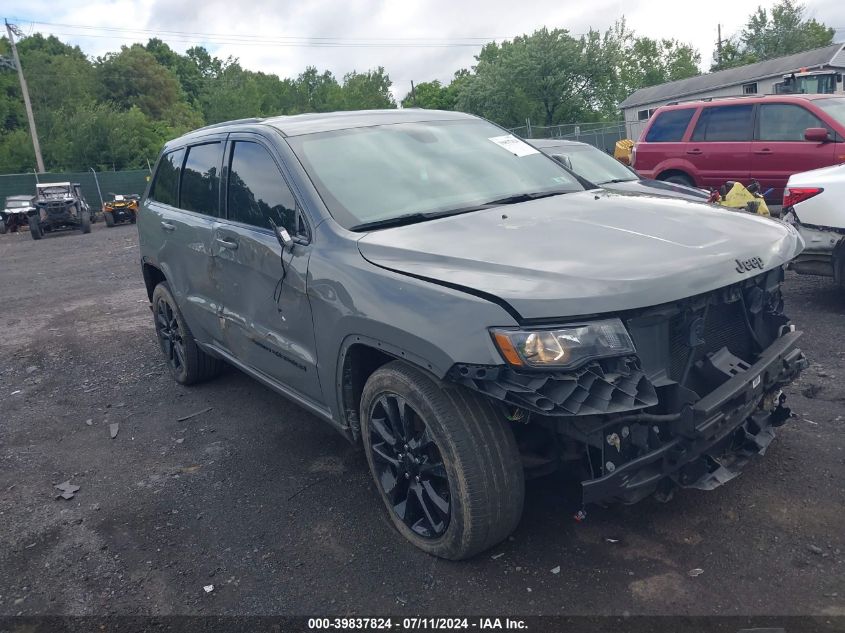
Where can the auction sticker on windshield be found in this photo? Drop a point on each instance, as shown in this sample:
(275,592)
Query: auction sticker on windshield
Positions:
(514,145)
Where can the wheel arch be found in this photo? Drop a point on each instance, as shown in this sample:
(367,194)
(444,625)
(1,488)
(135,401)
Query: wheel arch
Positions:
(359,357)
(153,276)
(675,171)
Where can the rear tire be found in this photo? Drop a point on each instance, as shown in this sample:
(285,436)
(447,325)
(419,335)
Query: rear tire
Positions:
(679,179)
(109,219)
(2,227)
(444,433)
(35,227)
(85,221)
(187,363)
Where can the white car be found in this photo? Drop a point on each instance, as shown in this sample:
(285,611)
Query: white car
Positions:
(814,201)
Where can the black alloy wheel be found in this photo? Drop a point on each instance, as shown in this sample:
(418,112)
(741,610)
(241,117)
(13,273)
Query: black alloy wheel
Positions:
(170,335)
(409,467)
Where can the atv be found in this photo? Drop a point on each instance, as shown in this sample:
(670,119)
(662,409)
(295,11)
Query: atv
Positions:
(14,214)
(59,205)
(121,208)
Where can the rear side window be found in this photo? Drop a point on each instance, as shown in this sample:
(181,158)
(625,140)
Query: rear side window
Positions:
(165,184)
(785,122)
(724,123)
(257,190)
(669,126)
(200,178)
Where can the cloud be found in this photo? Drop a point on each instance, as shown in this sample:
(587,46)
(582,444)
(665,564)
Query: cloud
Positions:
(375,27)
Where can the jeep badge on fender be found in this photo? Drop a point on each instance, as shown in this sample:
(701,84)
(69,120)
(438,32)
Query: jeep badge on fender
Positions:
(746,265)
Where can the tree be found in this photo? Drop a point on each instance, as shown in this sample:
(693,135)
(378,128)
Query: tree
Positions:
(133,77)
(768,35)
(432,95)
(367,91)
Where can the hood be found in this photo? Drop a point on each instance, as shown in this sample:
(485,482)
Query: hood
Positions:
(587,252)
(658,188)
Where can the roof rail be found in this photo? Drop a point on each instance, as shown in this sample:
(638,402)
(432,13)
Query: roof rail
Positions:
(224,123)
(708,99)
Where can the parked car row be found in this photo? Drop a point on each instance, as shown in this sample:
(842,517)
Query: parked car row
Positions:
(471,311)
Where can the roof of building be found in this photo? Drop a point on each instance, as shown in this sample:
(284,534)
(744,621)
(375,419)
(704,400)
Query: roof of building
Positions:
(735,76)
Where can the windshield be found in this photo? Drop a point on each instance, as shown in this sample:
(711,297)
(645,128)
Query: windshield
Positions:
(54,191)
(15,204)
(835,107)
(591,163)
(374,174)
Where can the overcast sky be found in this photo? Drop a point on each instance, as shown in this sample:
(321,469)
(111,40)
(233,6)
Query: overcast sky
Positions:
(435,37)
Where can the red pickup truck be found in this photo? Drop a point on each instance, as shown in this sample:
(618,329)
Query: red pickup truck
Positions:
(768,138)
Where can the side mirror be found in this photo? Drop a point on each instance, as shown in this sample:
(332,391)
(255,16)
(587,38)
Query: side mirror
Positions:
(816,135)
(282,235)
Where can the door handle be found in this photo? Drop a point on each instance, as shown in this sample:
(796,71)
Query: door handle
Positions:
(227,243)
(694,152)
(765,150)
(167,226)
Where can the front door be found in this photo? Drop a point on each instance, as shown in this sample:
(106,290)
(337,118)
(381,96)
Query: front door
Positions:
(779,149)
(265,314)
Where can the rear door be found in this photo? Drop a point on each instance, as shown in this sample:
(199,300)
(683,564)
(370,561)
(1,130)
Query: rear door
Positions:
(184,200)
(720,144)
(266,313)
(662,141)
(779,149)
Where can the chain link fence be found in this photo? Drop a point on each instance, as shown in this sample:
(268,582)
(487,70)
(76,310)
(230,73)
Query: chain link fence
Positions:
(93,183)
(602,135)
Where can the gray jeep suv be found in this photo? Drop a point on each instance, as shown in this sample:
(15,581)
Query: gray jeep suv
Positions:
(455,301)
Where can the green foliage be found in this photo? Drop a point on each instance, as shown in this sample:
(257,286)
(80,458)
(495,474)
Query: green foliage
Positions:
(770,34)
(115,112)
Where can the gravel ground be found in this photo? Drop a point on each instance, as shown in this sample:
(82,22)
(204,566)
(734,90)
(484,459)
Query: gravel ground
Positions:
(277,511)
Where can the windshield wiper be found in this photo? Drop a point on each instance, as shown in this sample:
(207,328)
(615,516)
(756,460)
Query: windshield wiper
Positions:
(413,218)
(614,181)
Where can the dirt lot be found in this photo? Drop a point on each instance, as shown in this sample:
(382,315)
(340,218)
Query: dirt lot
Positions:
(277,511)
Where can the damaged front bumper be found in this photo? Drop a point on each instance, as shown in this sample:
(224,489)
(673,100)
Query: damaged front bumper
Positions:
(709,441)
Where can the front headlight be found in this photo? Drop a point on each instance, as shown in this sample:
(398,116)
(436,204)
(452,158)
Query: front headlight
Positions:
(566,346)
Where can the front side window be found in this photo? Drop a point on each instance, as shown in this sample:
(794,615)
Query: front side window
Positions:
(382,173)
(785,122)
(724,123)
(200,178)
(593,164)
(669,126)
(834,107)
(257,192)
(166,182)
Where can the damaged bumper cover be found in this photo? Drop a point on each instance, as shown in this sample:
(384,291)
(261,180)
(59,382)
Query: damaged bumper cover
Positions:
(711,440)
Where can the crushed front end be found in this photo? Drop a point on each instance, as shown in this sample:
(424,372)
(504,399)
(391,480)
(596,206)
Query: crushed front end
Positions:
(699,396)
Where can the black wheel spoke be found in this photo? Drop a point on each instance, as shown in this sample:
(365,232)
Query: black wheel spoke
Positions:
(383,453)
(379,426)
(436,470)
(441,504)
(180,354)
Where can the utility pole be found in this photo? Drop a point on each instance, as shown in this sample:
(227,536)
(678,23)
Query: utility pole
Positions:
(27,103)
(413,93)
(719,44)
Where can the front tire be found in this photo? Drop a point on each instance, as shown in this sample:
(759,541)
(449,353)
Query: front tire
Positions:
(2,227)
(109,219)
(187,363)
(35,227)
(444,460)
(85,222)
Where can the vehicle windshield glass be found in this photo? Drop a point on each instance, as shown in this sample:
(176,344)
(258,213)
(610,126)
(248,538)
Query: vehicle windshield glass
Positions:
(14,204)
(834,106)
(377,173)
(593,164)
(54,191)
